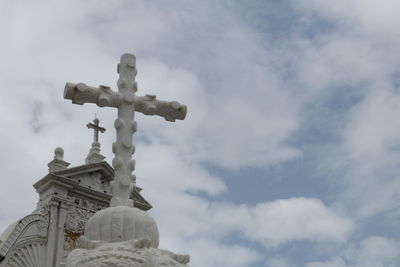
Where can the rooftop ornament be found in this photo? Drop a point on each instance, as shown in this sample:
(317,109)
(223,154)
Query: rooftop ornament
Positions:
(94,153)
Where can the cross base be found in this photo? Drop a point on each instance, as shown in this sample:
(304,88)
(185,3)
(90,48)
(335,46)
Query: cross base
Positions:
(94,154)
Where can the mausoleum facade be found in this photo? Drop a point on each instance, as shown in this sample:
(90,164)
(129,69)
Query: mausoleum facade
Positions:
(68,197)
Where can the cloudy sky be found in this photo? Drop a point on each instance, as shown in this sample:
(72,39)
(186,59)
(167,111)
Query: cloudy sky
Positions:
(289,154)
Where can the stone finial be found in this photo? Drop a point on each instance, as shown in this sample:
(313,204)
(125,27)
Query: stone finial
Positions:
(59,153)
(94,153)
(58,163)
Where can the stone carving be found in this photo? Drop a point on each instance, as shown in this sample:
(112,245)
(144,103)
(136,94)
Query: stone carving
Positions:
(58,163)
(134,253)
(37,222)
(77,218)
(95,180)
(122,236)
(78,214)
(121,224)
(31,254)
(127,103)
(42,227)
(44,210)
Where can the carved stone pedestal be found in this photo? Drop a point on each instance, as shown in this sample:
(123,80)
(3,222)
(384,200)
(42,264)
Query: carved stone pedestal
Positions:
(134,253)
(122,236)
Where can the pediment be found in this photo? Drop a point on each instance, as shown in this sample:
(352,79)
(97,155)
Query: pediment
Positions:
(92,180)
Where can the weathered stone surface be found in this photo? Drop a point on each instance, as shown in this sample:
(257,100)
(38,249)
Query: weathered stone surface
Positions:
(58,163)
(133,253)
(122,223)
(94,154)
(24,242)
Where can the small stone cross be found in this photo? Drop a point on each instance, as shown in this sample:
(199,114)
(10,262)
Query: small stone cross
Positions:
(95,126)
(127,103)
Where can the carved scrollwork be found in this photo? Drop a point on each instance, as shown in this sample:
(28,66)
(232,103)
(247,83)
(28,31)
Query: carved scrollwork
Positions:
(43,208)
(77,218)
(129,253)
(78,213)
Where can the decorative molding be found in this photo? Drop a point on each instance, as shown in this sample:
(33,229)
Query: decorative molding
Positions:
(103,166)
(31,253)
(79,211)
(19,229)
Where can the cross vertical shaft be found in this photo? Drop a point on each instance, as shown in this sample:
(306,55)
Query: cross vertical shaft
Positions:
(125,126)
(96,127)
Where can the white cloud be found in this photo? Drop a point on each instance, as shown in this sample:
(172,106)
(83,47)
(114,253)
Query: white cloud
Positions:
(217,254)
(297,219)
(371,153)
(374,251)
(335,262)
(372,125)
(357,51)
(169,179)
(367,15)
(270,223)
(278,262)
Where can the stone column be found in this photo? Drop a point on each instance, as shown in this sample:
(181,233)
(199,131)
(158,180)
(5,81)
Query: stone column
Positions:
(55,239)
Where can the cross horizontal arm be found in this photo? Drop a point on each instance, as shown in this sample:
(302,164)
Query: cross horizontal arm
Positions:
(103,96)
(81,93)
(170,111)
(96,127)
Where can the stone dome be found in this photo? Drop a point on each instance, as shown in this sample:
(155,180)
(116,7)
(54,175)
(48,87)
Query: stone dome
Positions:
(121,223)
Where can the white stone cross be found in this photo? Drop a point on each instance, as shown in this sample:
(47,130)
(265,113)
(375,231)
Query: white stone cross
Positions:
(127,103)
